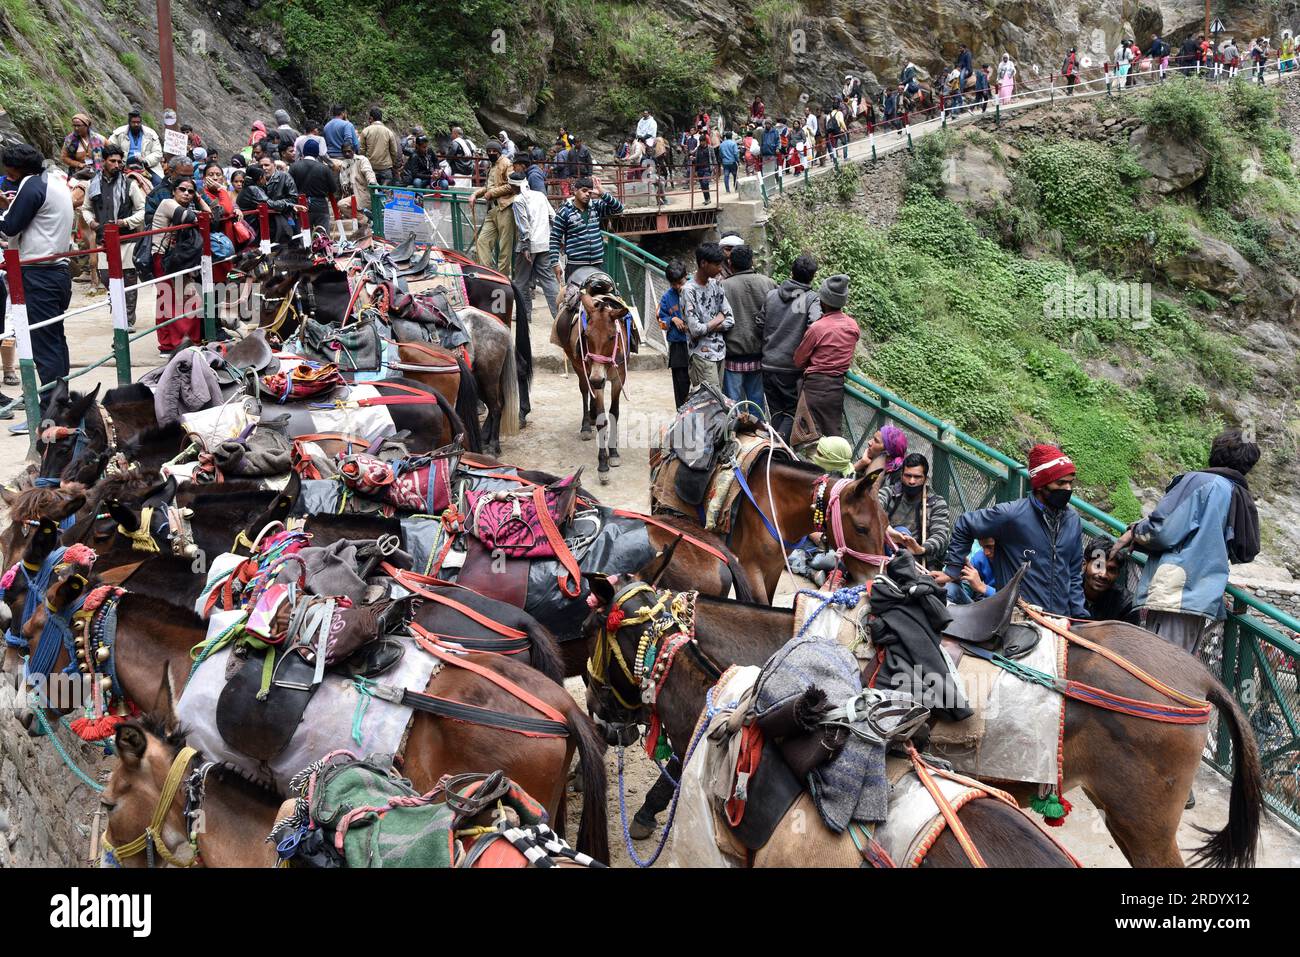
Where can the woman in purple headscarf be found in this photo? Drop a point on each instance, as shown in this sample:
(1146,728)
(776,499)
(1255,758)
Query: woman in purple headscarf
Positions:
(891,442)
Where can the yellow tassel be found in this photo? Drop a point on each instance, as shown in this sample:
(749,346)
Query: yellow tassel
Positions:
(141,539)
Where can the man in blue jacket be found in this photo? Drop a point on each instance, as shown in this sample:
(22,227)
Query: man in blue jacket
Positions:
(1206,521)
(1040,529)
(769,146)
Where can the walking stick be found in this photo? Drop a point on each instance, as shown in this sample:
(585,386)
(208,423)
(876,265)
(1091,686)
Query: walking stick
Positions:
(925,501)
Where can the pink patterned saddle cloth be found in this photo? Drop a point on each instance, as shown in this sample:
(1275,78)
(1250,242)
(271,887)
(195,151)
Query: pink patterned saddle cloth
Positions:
(414,484)
(509,519)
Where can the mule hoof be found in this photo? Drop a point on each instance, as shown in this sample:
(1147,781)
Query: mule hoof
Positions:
(614,459)
(586,435)
(604,477)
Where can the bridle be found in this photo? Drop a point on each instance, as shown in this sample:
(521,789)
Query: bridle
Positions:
(150,841)
(54,434)
(828,518)
(669,627)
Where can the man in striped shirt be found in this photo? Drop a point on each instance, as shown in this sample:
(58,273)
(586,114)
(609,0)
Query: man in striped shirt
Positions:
(576,230)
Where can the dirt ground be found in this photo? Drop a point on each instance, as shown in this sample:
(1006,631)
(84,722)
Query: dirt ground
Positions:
(551,442)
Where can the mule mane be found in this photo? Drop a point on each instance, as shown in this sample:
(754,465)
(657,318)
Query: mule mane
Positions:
(124,394)
(119,487)
(174,736)
(33,503)
(155,433)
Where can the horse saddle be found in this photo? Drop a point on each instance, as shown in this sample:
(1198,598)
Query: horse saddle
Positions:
(697,439)
(355,348)
(988,623)
(259,718)
(249,356)
(418,266)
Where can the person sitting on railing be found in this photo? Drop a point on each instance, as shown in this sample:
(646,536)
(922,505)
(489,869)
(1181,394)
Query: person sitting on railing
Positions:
(1040,529)
(1105,582)
(38,220)
(421,164)
(461,153)
(495,243)
(1206,521)
(1070,70)
(911,504)
(317,180)
(1158,51)
(116,197)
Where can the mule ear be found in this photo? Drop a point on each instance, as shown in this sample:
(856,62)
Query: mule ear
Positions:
(661,562)
(130,744)
(58,394)
(124,516)
(602,589)
(163,707)
(164,493)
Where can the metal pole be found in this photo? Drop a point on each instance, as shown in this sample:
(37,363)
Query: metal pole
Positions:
(304,227)
(207,287)
(264,227)
(117,302)
(377,212)
(166,61)
(23,338)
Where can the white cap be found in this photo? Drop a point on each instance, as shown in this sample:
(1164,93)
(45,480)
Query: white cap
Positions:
(731,241)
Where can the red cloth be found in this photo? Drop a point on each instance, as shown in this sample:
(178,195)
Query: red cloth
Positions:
(827,346)
(1047,463)
(169,304)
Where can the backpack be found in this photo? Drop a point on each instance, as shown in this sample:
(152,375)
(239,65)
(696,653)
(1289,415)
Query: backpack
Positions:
(833,123)
(187,245)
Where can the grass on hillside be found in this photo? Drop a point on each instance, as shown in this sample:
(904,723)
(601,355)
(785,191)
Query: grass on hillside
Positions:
(975,332)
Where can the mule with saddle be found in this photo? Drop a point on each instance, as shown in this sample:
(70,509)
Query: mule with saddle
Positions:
(1157,701)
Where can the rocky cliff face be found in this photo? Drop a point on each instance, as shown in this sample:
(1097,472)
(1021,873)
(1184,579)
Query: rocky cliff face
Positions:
(101,55)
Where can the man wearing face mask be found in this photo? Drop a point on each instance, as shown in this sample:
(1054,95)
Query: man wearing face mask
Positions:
(1040,528)
(911,505)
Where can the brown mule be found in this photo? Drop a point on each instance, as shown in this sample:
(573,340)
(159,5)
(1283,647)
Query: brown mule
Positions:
(224,822)
(153,635)
(597,349)
(1137,771)
(1002,834)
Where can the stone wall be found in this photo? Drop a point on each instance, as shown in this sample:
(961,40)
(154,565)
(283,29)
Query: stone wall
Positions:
(46,812)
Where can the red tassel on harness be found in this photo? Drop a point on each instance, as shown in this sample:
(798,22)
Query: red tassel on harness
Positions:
(615,619)
(96,729)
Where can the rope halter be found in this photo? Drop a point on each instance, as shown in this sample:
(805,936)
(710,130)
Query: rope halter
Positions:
(671,620)
(828,512)
(151,840)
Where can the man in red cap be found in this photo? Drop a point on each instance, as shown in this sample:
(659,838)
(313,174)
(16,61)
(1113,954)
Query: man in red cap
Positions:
(1040,529)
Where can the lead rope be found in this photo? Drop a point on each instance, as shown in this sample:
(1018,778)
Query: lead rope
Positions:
(700,728)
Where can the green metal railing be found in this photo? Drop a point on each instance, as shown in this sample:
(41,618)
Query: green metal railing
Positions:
(1258,653)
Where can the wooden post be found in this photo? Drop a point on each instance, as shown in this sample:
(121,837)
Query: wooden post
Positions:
(206,286)
(264,227)
(117,302)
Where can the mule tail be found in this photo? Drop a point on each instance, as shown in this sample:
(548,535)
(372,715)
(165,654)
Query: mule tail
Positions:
(593,828)
(509,384)
(739,578)
(544,652)
(1235,845)
(467,406)
(458,425)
